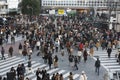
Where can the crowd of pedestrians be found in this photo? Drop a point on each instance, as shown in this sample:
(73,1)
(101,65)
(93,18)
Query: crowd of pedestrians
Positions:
(62,35)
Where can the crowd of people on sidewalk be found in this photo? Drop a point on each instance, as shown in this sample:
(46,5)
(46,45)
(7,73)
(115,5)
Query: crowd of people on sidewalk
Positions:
(62,35)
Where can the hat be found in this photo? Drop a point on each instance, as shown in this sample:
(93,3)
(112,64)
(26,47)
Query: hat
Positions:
(83,72)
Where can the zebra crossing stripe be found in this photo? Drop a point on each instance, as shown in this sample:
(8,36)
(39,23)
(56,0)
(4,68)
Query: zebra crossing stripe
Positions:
(42,66)
(7,69)
(66,75)
(115,70)
(114,66)
(53,70)
(76,76)
(107,58)
(7,58)
(108,61)
(9,61)
(12,63)
(107,64)
(61,71)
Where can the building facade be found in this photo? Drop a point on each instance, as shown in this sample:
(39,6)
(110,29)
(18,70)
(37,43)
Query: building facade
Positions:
(3,7)
(7,6)
(98,5)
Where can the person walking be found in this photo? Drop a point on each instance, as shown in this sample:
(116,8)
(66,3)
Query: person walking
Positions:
(85,54)
(23,69)
(75,63)
(109,50)
(39,74)
(61,77)
(56,61)
(83,76)
(97,65)
(20,48)
(70,77)
(11,51)
(19,70)
(118,58)
(79,55)
(24,53)
(2,53)
(13,71)
(50,61)
(53,77)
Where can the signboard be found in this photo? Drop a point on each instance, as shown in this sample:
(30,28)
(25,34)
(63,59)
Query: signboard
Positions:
(61,11)
(51,11)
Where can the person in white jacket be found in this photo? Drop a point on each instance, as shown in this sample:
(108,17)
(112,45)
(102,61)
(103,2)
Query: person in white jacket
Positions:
(83,76)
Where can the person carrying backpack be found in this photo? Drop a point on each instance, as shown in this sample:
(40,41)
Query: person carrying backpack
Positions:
(97,65)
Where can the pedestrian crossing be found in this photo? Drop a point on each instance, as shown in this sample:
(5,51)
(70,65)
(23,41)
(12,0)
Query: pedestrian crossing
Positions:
(5,66)
(19,38)
(110,64)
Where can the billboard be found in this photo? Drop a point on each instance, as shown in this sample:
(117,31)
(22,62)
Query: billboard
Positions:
(61,11)
(51,11)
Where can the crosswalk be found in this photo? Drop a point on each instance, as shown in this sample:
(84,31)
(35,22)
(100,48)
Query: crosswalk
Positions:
(110,64)
(19,38)
(9,62)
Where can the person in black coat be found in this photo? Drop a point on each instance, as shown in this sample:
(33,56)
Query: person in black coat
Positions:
(38,74)
(20,48)
(44,73)
(3,52)
(0,77)
(85,54)
(23,69)
(50,61)
(13,71)
(119,57)
(109,50)
(19,70)
(97,65)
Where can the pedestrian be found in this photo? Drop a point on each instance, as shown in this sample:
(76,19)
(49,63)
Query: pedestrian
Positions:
(2,53)
(24,53)
(38,45)
(106,76)
(71,61)
(70,77)
(13,71)
(19,70)
(79,55)
(39,74)
(109,50)
(27,78)
(4,78)
(50,61)
(30,65)
(20,48)
(85,54)
(57,76)
(0,77)
(83,76)
(53,77)
(44,73)
(12,39)
(23,69)
(62,55)
(97,65)
(10,51)
(61,77)
(55,61)
(21,77)
(75,63)
(118,58)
